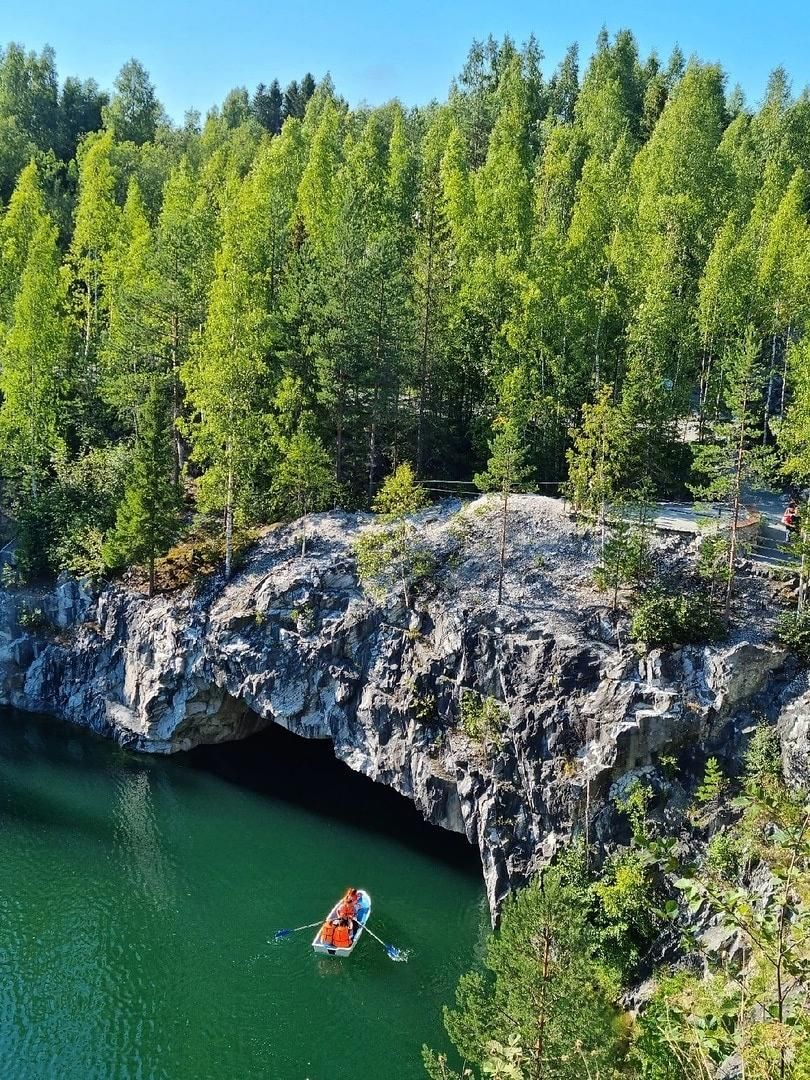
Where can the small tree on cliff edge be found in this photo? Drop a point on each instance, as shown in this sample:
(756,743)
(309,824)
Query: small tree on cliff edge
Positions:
(394,554)
(507,469)
(733,455)
(304,480)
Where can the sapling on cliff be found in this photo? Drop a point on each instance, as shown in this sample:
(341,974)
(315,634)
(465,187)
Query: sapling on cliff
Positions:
(394,554)
(506,469)
(734,456)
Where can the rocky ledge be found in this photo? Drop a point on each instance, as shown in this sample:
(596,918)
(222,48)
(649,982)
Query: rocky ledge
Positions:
(293,640)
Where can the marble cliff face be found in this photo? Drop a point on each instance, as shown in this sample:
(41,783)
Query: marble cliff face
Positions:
(293,640)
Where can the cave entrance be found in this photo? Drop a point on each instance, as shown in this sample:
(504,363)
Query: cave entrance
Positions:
(306,773)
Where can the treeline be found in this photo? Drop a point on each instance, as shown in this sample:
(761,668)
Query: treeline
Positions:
(293,292)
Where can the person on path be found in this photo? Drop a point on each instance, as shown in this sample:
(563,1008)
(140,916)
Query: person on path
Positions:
(790,519)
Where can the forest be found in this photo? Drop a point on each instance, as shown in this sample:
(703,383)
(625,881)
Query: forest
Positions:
(265,312)
(591,280)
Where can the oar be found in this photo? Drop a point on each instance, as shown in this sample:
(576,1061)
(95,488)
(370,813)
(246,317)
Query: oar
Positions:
(392,950)
(281,934)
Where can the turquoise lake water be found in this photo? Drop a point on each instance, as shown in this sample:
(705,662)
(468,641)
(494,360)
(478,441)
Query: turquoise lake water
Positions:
(138,897)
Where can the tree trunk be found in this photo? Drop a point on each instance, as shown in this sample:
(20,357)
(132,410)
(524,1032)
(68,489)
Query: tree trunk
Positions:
(805,538)
(769,394)
(375,408)
(151,573)
(732,552)
(503,541)
(229,522)
(541,1033)
(423,355)
(175,399)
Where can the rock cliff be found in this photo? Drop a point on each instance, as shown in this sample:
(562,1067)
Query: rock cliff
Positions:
(293,640)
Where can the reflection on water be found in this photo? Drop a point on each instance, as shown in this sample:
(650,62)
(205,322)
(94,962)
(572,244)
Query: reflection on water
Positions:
(148,866)
(137,897)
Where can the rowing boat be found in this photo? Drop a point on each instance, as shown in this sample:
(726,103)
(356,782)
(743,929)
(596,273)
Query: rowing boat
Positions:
(363,912)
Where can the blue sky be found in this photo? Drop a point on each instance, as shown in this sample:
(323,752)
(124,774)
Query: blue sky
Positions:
(197,51)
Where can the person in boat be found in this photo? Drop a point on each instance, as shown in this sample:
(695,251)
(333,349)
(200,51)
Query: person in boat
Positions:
(342,937)
(359,906)
(327,934)
(347,909)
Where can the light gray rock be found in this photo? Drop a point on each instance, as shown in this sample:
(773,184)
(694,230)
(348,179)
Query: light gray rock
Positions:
(292,640)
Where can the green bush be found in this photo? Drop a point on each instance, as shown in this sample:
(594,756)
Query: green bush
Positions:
(626,909)
(482,718)
(33,618)
(763,758)
(793,630)
(662,619)
(724,856)
(714,783)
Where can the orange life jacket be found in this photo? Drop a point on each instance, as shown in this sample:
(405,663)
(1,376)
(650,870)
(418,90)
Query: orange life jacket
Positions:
(346,910)
(327,933)
(342,938)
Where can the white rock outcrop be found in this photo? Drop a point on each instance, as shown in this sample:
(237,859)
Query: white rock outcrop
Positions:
(292,640)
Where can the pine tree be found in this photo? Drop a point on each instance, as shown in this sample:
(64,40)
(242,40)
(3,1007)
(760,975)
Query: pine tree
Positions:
(17,229)
(507,469)
(544,1008)
(148,519)
(733,455)
(225,381)
(393,555)
(34,358)
(303,479)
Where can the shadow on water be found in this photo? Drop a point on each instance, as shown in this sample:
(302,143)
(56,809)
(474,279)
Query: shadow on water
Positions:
(305,773)
(273,763)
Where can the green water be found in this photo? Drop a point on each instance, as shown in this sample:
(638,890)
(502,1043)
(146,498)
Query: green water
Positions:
(137,897)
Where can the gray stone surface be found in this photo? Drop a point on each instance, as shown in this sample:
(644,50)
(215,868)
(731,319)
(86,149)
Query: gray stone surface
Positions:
(292,640)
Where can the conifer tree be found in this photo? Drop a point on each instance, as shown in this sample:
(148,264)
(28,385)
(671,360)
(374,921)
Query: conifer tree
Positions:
(184,245)
(224,381)
(17,229)
(33,368)
(432,283)
(303,479)
(507,469)
(544,1005)
(93,231)
(794,441)
(733,455)
(131,347)
(596,459)
(394,555)
(148,518)
(784,281)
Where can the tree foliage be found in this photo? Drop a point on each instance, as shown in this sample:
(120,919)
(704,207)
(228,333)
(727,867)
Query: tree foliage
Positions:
(551,278)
